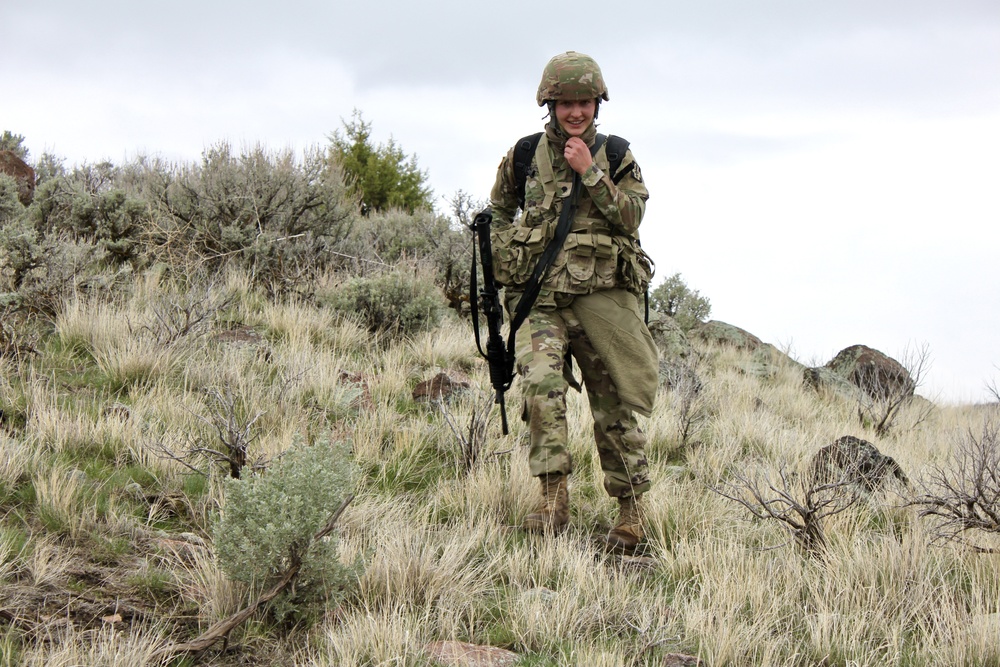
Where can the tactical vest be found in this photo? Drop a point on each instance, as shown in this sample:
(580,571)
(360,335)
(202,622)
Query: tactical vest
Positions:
(594,256)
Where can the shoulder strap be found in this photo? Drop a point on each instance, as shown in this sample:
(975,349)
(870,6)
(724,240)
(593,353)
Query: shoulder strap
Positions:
(534,286)
(617,146)
(524,150)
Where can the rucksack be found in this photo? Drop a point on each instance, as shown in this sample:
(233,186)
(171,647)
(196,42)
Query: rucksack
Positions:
(524,151)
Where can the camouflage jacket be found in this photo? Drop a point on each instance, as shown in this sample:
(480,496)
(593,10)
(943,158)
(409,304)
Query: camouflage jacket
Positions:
(602,249)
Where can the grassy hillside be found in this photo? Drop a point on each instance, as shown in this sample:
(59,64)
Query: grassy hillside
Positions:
(107,556)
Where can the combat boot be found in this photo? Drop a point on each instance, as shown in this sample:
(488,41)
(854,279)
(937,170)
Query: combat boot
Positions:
(627,533)
(553,511)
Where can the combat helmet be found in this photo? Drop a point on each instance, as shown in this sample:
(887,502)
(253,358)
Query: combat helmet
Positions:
(571,76)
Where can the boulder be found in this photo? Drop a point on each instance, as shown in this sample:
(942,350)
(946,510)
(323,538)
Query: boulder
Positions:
(445,386)
(670,339)
(765,359)
(720,333)
(18,169)
(824,380)
(855,461)
(876,374)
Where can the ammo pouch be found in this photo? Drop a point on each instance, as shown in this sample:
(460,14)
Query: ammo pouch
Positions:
(588,263)
(516,249)
(635,268)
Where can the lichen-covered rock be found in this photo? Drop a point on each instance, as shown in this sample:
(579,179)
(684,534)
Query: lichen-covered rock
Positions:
(721,333)
(878,375)
(855,461)
(824,380)
(670,339)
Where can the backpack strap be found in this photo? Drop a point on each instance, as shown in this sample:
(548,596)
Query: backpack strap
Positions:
(524,150)
(617,146)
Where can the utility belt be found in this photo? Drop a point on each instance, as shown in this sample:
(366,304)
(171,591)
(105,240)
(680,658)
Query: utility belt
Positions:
(587,262)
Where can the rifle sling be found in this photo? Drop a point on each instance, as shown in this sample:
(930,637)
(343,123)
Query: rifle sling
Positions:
(534,286)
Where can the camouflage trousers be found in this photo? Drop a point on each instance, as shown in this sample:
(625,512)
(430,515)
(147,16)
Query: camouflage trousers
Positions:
(544,339)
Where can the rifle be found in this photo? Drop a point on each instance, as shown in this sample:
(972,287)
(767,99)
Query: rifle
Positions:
(499,358)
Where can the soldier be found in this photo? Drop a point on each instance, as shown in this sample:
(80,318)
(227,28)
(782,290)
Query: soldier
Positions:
(588,306)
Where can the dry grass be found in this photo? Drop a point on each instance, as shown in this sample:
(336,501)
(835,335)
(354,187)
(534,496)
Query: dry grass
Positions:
(442,557)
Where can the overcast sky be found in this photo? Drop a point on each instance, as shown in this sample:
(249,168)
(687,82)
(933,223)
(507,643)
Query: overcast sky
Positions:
(827,173)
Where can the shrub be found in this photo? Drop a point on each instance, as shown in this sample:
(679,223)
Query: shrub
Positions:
(400,302)
(389,237)
(674,298)
(263,210)
(10,205)
(40,273)
(269,522)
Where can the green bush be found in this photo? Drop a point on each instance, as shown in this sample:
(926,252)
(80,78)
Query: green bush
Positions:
(270,519)
(39,273)
(400,302)
(395,235)
(674,298)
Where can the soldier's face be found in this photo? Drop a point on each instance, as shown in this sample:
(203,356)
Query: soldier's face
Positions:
(575,116)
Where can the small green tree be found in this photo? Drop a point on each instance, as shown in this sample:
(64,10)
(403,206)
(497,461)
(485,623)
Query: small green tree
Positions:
(383,176)
(674,298)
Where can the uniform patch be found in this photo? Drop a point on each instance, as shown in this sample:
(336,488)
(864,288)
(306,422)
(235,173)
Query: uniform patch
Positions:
(636,174)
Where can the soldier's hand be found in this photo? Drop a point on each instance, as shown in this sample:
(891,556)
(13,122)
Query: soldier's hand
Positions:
(578,155)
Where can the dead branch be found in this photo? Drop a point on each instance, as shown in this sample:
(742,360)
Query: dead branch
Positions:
(964,494)
(777,501)
(233,431)
(472,440)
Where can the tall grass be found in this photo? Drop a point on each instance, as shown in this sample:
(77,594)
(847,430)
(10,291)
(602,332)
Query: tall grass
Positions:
(442,556)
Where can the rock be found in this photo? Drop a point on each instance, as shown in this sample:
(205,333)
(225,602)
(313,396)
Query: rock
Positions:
(444,386)
(461,654)
(854,461)
(670,339)
(363,401)
(118,411)
(822,379)
(879,376)
(18,169)
(720,333)
(767,360)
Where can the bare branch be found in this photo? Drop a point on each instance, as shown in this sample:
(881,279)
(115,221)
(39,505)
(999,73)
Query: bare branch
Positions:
(803,517)
(964,494)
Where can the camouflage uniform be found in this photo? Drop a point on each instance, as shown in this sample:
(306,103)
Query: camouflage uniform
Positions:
(601,252)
